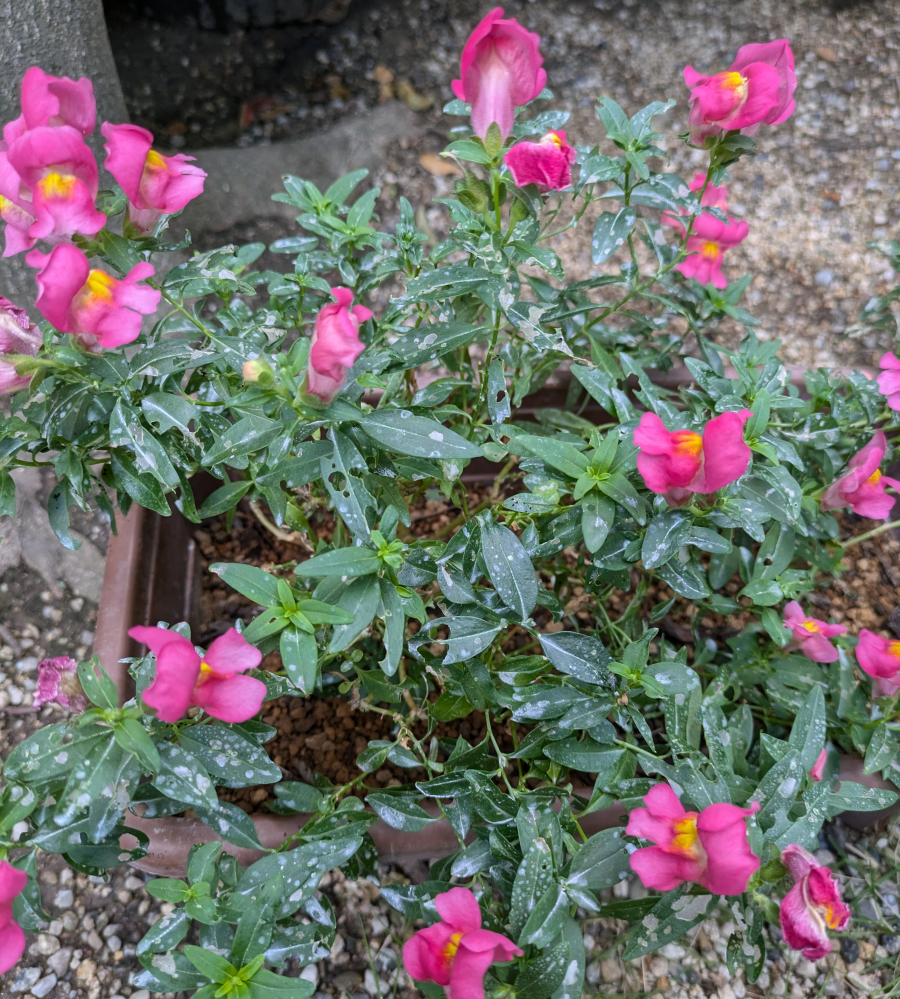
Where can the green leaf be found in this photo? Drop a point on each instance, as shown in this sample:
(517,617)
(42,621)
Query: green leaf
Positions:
(300,656)
(234,760)
(7,494)
(248,435)
(214,966)
(51,752)
(600,863)
(617,487)
(610,233)
(295,796)
(509,568)
(223,499)
(98,687)
(202,862)
(666,533)
(541,977)
(182,777)
(533,878)
(546,919)
(166,411)
(597,516)
(349,562)
(808,731)
(360,599)
(881,750)
(58,503)
(133,738)
(426,343)
(143,489)
(231,823)
(253,583)
(402,431)
(394,621)
(673,915)
(165,933)
(400,813)
(572,986)
(254,929)
(266,984)
(585,755)
(581,656)
(559,454)
(168,889)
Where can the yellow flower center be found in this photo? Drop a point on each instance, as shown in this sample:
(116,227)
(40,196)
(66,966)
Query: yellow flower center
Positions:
(57,185)
(552,139)
(687,442)
(874,477)
(685,839)
(100,285)
(450,948)
(811,626)
(894,649)
(831,917)
(155,161)
(709,250)
(732,80)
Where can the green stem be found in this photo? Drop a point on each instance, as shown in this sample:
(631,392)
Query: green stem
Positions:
(870,534)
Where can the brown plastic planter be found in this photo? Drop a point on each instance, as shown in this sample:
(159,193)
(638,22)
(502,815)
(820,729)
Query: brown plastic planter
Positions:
(153,573)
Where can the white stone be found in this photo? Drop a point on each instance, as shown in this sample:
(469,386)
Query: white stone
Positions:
(141,994)
(58,963)
(673,951)
(311,974)
(41,988)
(55,927)
(47,944)
(114,943)
(65,898)
(659,966)
(134,884)
(24,979)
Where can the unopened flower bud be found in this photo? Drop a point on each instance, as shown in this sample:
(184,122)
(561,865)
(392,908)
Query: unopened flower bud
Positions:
(259,371)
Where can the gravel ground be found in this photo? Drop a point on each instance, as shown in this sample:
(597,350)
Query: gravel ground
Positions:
(825,184)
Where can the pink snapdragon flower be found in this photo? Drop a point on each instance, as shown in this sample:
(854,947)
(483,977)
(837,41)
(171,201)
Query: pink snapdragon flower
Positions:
(812,634)
(713,197)
(889,379)
(880,658)
(757,89)
(335,344)
(12,938)
(53,100)
(51,175)
(18,335)
(706,245)
(58,683)
(812,906)
(546,163)
(709,848)
(213,682)
(862,487)
(456,953)
(155,185)
(102,311)
(818,768)
(500,69)
(680,462)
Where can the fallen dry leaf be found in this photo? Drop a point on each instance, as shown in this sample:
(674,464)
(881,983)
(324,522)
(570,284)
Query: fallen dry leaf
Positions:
(826,52)
(412,98)
(438,166)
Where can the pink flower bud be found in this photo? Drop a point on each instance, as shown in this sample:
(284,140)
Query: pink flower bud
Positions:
(812,906)
(335,345)
(818,768)
(680,462)
(709,848)
(889,379)
(862,487)
(154,184)
(500,69)
(456,952)
(546,163)
(12,938)
(102,311)
(58,683)
(812,634)
(213,682)
(757,89)
(18,335)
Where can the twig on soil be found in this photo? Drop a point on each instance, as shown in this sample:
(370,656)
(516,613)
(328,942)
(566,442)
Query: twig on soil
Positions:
(291,537)
(870,534)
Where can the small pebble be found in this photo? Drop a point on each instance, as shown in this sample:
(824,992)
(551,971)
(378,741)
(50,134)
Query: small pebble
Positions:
(65,899)
(849,950)
(25,978)
(43,987)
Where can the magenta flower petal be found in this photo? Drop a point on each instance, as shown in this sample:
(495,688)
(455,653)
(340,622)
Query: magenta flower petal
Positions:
(468,970)
(177,671)
(812,906)
(12,945)
(879,657)
(460,909)
(818,768)
(126,153)
(63,273)
(661,870)
(55,100)
(232,653)
(779,56)
(235,698)
(500,68)
(666,459)
(862,487)
(12,938)
(424,954)
(725,455)
(335,345)
(730,861)
(58,683)
(546,163)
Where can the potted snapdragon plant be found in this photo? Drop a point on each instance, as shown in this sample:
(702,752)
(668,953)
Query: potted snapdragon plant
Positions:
(330,422)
